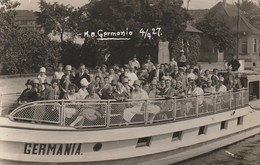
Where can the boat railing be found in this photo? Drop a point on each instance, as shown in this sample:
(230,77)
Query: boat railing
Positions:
(113,113)
(8,101)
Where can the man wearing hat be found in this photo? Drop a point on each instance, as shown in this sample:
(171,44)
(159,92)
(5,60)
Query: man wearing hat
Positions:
(181,76)
(209,87)
(127,88)
(183,59)
(153,89)
(134,63)
(66,80)
(36,89)
(139,94)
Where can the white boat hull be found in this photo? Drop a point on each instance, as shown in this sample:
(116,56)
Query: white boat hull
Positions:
(24,143)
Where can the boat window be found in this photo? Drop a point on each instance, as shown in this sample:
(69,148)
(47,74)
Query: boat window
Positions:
(177,136)
(253,90)
(202,130)
(224,125)
(240,120)
(142,142)
(97,147)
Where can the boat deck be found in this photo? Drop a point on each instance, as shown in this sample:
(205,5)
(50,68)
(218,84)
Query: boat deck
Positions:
(64,112)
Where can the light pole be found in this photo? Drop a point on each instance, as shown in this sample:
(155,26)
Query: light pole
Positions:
(238,25)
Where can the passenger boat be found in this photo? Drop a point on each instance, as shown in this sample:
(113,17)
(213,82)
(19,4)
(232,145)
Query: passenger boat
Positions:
(40,132)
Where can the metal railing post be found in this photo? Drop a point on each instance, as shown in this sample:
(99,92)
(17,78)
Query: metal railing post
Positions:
(1,104)
(62,113)
(197,107)
(230,100)
(146,115)
(242,96)
(215,103)
(108,113)
(174,109)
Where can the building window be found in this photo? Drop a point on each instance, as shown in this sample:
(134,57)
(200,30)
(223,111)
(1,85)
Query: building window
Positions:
(142,142)
(240,120)
(223,125)
(244,46)
(176,136)
(255,45)
(202,130)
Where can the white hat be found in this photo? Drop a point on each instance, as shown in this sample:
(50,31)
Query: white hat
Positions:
(42,70)
(84,82)
(68,67)
(182,51)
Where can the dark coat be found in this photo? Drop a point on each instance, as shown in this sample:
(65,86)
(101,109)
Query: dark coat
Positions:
(152,74)
(79,77)
(234,64)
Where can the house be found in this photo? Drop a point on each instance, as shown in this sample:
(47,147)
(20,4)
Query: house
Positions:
(248,36)
(26,19)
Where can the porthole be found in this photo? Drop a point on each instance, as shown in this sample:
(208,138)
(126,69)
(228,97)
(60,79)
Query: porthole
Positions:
(223,125)
(202,130)
(97,147)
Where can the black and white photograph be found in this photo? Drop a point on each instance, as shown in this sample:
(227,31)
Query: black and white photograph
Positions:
(129,82)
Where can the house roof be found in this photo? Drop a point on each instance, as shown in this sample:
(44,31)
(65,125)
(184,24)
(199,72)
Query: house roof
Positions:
(25,15)
(232,12)
(192,29)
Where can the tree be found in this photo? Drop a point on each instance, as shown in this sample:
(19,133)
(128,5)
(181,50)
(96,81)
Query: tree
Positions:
(56,18)
(23,51)
(215,28)
(136,16)
(251,11)
(27,51)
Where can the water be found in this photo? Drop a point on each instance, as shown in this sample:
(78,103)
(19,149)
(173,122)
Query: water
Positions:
(246,152)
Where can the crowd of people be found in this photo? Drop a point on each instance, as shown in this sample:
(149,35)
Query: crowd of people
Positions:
(130,81)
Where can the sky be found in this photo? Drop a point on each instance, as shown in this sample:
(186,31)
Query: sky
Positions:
(194,4)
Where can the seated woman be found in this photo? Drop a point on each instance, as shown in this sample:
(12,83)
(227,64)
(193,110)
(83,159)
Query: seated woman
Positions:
(71,94)
(27,94)
(90,112)
(137,107)
(83,92)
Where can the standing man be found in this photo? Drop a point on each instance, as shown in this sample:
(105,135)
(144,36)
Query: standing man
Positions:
(173,65)
(183,59)
(150,65)
(157,72)
(80,75)
(65,81)
(134,63)
(234,63)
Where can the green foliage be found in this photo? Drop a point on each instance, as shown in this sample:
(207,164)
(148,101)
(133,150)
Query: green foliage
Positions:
(56,18)
(215,28)
(251,11)
(190,43)
(27,51)
(117,15)
(70,53)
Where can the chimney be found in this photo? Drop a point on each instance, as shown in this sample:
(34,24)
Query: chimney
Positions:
(224,3)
